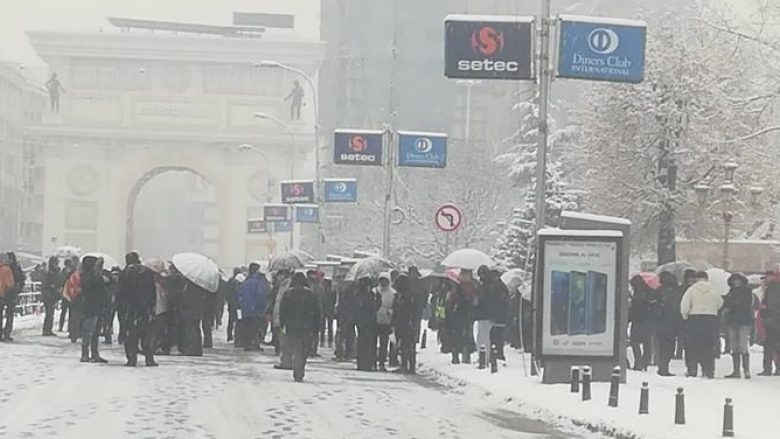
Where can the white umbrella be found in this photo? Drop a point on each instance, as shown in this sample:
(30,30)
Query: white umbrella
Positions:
(67,251)
(108,261)
(467,258)
(290,261)
(719,280)
(199,269)
(369,267)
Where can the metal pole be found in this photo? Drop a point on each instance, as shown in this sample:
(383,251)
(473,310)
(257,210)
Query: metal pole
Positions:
(390,139)
(468,114)
(544,91)
(726,231)
(388,142)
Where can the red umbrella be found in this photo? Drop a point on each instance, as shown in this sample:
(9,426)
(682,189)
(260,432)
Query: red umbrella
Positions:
(651,279)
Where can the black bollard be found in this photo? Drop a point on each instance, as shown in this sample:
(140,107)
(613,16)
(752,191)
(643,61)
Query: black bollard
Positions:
(586,374)
(534,370)
(482,357)
(644,399)
(493,359)
(728,419)
(679,407)
(424,341)
(575,379)
(614,387)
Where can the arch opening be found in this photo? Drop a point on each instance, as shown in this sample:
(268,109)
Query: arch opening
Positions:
(172,209)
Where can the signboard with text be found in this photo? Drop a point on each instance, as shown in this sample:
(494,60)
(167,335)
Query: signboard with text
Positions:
(255,226)
(488,47)
(307,213)
(601,49)
(342,190)
(422,150)
(357,147)
(283,226)
(294,192)
(274,213)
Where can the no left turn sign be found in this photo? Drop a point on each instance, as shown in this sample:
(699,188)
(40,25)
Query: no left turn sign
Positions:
(448,218)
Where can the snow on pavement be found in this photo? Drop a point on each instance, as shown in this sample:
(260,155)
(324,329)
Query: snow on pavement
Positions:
(755,400)
(227,393)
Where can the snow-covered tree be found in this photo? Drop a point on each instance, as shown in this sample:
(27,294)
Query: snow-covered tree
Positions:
(647,145)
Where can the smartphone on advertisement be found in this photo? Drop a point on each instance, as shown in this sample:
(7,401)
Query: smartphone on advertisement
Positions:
(577,304)
(597,302)
(559,303)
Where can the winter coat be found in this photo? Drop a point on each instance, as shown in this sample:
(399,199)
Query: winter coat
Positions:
(298,311)
(137,291)
(493,301)
(384,315)
(193,302)
(738,304)
(19,280)
(458,310)
(404,313)
(94,294)
(368,303)
(284,286)
(71,290)
(7,283)
(670,321)
(252,295)
(328,302)
(347,306)
(700,299)
(770,313)
(51,286)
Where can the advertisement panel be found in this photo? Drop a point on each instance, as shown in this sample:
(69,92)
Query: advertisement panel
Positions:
(343,190)
(579,297)
(283,226)
(306,213)
(274,213)
(488,47)
(300,191)
(422,150)
(357,147)
(601,49)
(255,226)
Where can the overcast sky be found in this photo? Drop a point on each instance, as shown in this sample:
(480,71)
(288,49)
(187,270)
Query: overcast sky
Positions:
(17,16)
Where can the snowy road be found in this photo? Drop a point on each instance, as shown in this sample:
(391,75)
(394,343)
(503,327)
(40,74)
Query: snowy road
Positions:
(45,392)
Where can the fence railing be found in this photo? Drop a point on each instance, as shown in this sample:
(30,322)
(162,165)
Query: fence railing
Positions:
(30,300)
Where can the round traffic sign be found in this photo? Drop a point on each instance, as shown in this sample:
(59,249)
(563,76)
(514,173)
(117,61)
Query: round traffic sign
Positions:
(448,218)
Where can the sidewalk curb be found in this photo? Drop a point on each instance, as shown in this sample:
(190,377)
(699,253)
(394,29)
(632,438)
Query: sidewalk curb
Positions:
(532,410)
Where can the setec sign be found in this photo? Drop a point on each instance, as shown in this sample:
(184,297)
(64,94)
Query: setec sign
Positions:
(601,49)
(488,47)
(307,213)
(422,150)
(301,191)
(357,147)
(342,190)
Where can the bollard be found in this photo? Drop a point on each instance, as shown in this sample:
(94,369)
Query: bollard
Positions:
(644,399)
(586,374)
(534,371)
(679,407)
(575,379)
(614,387)
(728,419)
(493,359)
(482,357)
(424,341)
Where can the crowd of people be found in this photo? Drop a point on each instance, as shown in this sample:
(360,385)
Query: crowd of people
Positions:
(689,320)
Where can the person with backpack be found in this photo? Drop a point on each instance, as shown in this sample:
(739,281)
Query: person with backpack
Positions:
(10,296)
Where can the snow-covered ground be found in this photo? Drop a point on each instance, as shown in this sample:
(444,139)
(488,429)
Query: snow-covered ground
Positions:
(755,401)
(46,393)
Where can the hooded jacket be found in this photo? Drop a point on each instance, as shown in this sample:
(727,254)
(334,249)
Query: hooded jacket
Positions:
(700,299)
(384,316)
(738,303)
(252,295)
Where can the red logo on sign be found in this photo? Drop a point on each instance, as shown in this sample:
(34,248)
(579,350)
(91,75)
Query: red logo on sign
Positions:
(357,144)
(487,40)
(297,190)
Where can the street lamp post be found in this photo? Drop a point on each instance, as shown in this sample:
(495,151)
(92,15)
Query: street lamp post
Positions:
(317,179)
(246,147)
(727,204)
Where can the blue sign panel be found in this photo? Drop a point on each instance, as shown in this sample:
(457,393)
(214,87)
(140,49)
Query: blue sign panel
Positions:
(274,213)
(423,150)
(357,147)
(307,214)
(601,50)
(283,226)
(297,191)
(341,191)
(488,47)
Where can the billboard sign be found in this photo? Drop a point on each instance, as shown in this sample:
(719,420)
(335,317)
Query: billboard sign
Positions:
(283,226)
(307,213)
(422,150)
(579,296)
(301,191)
(488,47)
(357,147)
(601,49)
(255,226)
(343,190)
(274,213)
